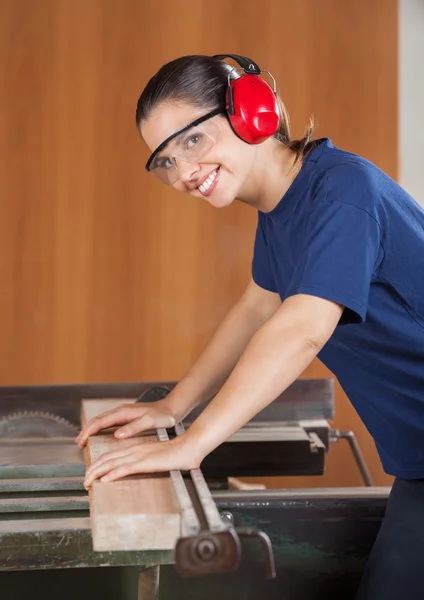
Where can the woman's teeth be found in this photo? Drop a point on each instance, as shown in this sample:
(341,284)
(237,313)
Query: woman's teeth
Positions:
(207,184)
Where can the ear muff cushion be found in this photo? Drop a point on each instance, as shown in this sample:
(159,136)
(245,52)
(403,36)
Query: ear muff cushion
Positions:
(255,116)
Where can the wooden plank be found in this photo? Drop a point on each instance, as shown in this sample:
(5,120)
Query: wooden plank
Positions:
(136,513)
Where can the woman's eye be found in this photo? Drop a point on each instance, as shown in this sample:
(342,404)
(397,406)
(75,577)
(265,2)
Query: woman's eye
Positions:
(192,141)
(165,163)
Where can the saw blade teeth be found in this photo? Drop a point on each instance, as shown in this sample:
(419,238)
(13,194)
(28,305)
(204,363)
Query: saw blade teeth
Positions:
(36,413)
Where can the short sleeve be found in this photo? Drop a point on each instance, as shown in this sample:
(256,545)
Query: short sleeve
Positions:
(261,263)
(340,255)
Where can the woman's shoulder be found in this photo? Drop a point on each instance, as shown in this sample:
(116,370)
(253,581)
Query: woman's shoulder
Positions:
(349,177)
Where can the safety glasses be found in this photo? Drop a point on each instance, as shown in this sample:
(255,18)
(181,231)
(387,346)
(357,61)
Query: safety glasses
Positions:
(188,144)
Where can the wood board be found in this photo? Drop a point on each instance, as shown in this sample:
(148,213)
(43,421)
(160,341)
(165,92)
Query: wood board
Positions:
(139,512)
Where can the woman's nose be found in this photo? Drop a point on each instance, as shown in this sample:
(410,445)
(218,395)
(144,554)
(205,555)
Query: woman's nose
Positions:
(187,170)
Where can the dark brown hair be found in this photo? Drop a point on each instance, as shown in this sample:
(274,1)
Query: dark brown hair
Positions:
(202,81)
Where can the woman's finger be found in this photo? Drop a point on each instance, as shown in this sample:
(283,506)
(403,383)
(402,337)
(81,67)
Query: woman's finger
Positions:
(107,456)
(105,468)
(116,417)
(131,468)
(143,423)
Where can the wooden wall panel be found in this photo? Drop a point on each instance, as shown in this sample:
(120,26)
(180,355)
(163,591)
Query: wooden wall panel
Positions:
(105,275)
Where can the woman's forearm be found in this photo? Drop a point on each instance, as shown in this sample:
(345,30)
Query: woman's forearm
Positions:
(216,362)
(276,355)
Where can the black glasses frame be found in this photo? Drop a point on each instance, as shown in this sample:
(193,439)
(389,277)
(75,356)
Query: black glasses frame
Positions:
(214,113)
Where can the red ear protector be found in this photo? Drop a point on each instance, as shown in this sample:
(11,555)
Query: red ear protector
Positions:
(251,104)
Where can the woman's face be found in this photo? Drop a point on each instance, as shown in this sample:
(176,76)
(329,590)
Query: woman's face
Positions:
(221,173)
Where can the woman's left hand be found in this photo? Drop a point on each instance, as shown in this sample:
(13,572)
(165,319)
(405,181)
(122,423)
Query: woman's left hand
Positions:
(151,457)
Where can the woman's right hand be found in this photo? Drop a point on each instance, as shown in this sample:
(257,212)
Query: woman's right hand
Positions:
(136,417)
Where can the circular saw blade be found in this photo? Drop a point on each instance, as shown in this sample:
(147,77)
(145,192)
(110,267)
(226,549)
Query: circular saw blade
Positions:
(35,424)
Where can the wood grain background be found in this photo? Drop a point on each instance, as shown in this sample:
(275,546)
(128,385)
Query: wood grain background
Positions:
(105,274)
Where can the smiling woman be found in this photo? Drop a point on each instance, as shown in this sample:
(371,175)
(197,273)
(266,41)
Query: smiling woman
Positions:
(337,272)
(188,114)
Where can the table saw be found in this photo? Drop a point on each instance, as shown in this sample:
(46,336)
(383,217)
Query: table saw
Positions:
(320,537)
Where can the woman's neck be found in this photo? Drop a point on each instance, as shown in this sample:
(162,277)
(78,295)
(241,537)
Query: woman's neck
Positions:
(274,169)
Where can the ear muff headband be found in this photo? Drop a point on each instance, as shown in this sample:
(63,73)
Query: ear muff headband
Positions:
(251,103)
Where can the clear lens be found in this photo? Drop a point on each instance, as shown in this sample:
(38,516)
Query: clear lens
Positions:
(190,147)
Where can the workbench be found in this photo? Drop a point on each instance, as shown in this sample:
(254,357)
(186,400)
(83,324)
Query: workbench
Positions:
(321,538)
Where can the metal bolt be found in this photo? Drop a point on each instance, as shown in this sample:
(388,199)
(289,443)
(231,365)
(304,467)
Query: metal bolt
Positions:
(206,549)
(227,517)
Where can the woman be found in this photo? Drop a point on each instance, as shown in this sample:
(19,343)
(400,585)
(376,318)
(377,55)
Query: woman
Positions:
(338,273)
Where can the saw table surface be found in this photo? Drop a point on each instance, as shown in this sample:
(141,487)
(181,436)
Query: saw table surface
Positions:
(49,457)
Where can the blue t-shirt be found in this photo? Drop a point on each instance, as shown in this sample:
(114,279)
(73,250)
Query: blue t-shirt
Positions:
(345,231)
